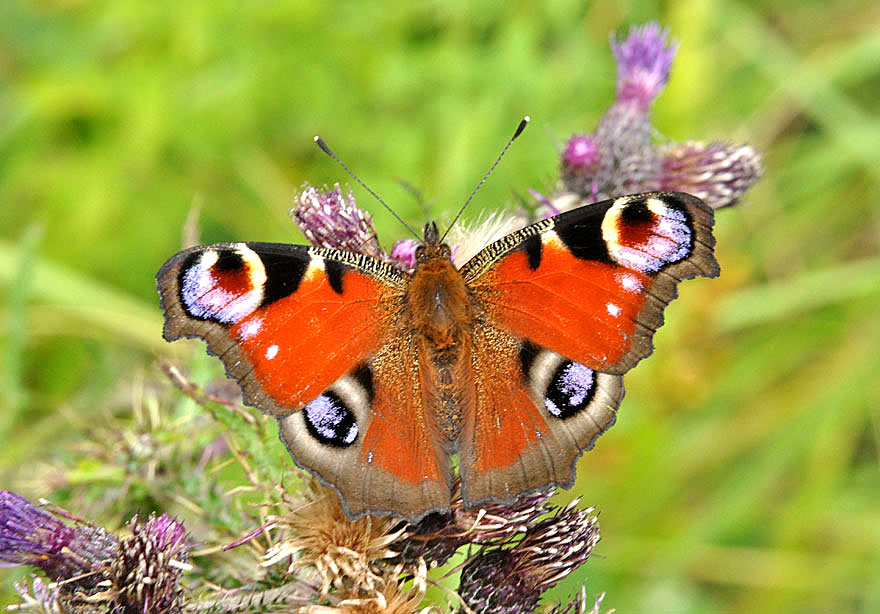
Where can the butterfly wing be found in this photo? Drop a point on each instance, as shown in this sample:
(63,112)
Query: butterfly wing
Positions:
(312,336)
(574,301)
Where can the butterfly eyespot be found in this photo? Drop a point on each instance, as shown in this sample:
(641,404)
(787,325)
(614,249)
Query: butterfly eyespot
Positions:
(224,285)
(330,422)
(570,389)
(647,234)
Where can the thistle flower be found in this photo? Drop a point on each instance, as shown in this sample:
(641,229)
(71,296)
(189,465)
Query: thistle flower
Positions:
(343,552)
(32,536)
(511,580)
(404,253)
(144,577)
(619,158)
(644,60)
(581,162)
(719,173)
(329,219)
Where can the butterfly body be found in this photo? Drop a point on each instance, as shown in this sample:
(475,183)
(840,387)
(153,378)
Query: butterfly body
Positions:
(512,363)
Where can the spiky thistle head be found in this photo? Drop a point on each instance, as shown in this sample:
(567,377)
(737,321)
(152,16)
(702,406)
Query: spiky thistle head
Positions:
(144,577)
(332,219)
(510,580)
(719,173)
(319,535)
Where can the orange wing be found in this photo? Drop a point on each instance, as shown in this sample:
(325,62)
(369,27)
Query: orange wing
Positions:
(314,338)
(567,306)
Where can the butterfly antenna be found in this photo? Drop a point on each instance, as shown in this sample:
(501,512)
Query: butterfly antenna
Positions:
(327,151)
(522,126)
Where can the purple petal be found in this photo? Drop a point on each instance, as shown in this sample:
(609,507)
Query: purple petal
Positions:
(644,60)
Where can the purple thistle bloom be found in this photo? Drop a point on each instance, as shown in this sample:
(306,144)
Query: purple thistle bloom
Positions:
(582,151)
(719,173)
(404,253)
(644,61)
(619,157)
(32,536)
(330,219)
(142,571)
(581,161)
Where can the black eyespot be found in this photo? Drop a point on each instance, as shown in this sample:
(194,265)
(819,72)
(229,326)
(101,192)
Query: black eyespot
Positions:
(330,422)
(571,389)
(636,213)
(228,260)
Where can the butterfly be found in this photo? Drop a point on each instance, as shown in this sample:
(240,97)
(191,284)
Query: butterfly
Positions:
(509,367)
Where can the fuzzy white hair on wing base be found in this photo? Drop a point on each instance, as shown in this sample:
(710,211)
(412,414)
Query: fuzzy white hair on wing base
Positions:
(467,238)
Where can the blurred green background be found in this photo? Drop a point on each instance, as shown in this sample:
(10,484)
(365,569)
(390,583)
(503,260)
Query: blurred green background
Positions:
(742,475)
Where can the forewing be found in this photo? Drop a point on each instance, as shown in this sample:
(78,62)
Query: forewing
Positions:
(286,320)
(591,284)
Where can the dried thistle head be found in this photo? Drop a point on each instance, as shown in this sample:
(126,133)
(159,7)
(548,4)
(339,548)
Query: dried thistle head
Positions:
(390,596)
(343,552)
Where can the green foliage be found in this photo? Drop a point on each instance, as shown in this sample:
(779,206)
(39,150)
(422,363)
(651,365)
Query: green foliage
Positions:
(742,474)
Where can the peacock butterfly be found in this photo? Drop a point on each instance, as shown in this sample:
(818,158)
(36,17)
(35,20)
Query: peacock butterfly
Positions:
(513,363)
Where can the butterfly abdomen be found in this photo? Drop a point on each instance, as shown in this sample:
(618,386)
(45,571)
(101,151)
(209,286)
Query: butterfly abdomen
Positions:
(442,322)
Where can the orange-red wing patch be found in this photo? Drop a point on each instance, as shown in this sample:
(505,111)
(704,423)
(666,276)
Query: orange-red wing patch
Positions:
(509,444)
(397,439)
(582,309)
(300,344)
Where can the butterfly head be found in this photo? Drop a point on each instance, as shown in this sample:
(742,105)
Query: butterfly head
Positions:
(432,248)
